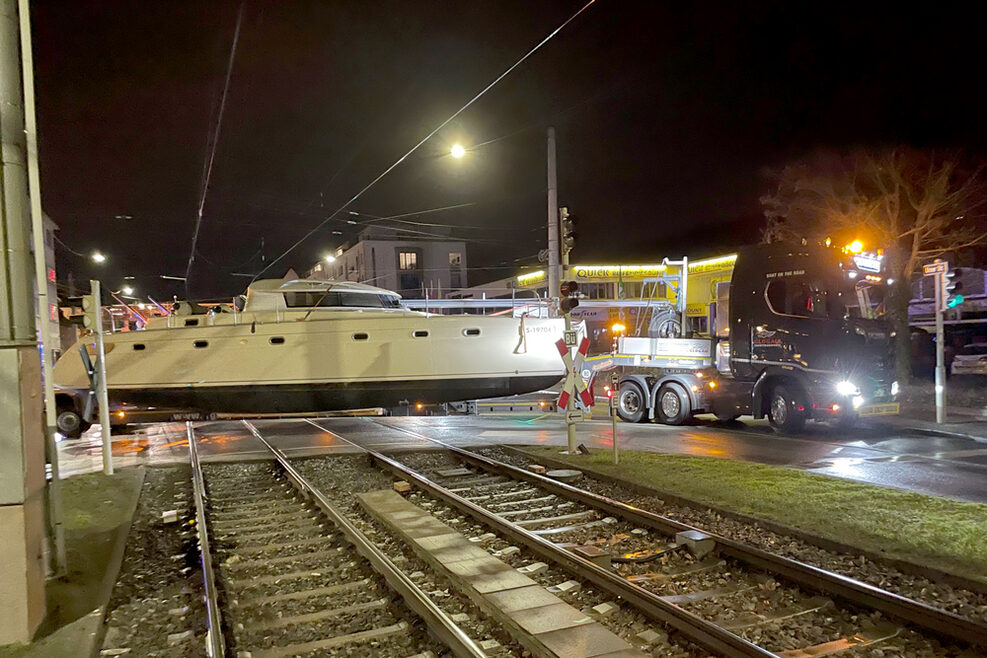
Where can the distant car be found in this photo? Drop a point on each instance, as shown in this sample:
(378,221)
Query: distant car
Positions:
(971,360)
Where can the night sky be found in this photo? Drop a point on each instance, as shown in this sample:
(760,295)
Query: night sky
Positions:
(668,117)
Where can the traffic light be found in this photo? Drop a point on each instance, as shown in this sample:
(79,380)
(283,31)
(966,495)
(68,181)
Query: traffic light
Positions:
(567,232)
(951,289)
(567,292)
(91,312)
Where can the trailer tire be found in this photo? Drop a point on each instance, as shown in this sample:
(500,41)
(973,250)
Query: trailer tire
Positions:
(70,424)
(672,405)
(785,412)
(630,403)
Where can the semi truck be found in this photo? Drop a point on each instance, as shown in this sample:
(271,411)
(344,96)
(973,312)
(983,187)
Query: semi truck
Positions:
(793,332)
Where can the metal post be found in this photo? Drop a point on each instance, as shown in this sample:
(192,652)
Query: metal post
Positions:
(553,229)
(570,426)
(102,399)
(684,293)
(41,281)
(614,386)
(940,278)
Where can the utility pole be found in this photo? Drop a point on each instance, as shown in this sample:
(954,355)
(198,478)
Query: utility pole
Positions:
(553,229)
(22,470)
(41,281)
(940,278)
(939,271)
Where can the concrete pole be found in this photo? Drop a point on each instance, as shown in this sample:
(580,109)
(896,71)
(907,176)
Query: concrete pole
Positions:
(41,281)
(102,398)
(940,348)
(553,229)
(22,468)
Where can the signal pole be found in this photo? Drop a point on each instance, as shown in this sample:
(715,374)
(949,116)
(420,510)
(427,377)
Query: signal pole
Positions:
(553,229)
(940,278)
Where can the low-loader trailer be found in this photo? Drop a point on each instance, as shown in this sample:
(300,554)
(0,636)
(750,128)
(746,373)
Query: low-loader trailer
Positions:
(794,336)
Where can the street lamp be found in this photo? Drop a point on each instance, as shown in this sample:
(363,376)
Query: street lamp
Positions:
(127,290)
(329,258)
(457,151)
(98,257)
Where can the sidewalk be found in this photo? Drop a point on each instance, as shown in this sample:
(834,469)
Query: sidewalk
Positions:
(968,422)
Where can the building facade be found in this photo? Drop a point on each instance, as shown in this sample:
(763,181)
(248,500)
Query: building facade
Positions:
(415,268)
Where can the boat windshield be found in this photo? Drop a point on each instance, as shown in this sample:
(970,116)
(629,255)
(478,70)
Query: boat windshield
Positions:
(332,299)
(867,300)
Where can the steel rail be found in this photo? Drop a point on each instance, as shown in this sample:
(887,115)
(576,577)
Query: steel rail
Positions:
(215,641)
(697,629)
(438,622)
(935,620)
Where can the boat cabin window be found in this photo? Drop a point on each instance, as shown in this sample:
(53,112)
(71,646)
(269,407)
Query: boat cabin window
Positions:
(139,346)
(361,336)
(192,323)
(340,299)
(277,340)
(420,334)
(471,332)
(201,343)
(796,297)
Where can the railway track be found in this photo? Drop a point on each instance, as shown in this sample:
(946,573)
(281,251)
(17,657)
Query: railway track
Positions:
(728,597)
(286,574)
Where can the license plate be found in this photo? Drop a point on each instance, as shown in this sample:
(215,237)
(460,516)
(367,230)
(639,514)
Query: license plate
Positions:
(889,409)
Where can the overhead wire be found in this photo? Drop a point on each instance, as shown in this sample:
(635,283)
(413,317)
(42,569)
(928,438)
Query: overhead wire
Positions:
(212,153)
(442,125)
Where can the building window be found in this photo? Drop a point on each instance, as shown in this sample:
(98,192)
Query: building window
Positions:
(455,258)
(408,260)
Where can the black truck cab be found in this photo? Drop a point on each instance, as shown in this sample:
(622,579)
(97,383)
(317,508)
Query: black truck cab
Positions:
(794,348)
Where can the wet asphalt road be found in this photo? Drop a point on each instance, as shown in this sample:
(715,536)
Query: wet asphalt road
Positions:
(951,466)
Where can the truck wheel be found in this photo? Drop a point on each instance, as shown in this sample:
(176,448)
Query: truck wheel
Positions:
(784,413)
(630,402)
(672,405)
(70,424)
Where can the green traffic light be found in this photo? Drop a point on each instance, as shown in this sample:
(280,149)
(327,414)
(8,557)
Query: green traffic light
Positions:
(954,301)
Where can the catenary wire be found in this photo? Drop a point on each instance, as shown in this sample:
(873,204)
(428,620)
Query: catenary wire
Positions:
(212,152)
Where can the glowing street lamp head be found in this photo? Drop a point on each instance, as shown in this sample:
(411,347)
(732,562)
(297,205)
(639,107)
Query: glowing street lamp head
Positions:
(855,247)
(127,290)
(98,257)
(457,151)
(329,258)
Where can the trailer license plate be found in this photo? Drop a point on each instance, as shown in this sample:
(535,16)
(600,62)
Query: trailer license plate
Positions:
(889,409)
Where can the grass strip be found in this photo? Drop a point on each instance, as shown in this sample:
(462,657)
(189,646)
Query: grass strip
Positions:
(938,532)
(94,505)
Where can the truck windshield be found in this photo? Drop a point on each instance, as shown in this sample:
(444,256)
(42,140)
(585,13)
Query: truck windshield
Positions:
(867,300)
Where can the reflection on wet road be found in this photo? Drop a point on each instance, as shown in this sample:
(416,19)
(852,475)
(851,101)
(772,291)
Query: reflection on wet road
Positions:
(945,466)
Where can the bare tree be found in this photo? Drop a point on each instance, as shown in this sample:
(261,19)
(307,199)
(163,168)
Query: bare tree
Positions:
(916,205)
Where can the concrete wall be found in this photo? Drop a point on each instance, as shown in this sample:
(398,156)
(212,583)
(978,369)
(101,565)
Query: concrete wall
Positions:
(21,494)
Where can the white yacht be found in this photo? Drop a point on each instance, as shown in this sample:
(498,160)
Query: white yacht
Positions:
(311,346)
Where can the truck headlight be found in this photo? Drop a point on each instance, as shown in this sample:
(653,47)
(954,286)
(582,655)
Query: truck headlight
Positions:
(846,388)
(894,388)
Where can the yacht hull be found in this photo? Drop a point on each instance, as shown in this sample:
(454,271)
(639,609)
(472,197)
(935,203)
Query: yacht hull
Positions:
(300,398)
(346,360)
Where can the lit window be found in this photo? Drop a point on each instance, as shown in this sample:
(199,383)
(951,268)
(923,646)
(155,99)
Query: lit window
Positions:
(455,258)
(408,260)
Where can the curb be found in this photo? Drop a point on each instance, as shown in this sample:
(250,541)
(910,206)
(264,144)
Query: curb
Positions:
(113,568)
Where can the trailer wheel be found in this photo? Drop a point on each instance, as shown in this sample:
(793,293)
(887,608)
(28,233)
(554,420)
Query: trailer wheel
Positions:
(630,402)
(784,412)
(672,405)
(70,424)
